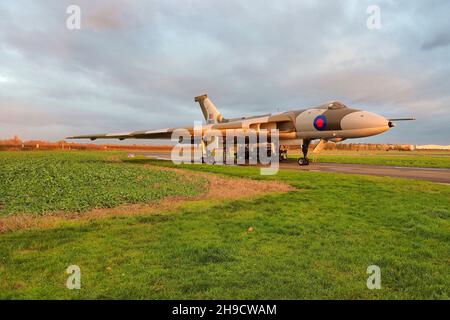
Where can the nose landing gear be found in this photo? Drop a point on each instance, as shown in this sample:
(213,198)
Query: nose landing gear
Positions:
(304,161)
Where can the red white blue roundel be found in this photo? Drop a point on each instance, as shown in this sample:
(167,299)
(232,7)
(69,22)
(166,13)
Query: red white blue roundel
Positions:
(320,123)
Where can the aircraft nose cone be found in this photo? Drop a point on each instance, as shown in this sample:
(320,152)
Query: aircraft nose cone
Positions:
(373,120)
(362,120)
(367,123)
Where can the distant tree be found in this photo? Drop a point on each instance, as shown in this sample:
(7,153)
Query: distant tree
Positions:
(16,139)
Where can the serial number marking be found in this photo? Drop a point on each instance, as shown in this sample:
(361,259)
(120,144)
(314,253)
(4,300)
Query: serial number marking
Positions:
(226,310)
(246,309)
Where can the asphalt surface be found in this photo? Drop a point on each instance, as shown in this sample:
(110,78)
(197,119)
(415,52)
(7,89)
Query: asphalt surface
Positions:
(429,174)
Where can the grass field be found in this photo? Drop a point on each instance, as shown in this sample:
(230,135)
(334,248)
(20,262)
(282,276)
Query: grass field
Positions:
(35,182)
(383,158)
(313,242)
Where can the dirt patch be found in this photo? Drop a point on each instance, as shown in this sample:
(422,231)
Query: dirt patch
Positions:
(226,188)
(220,188)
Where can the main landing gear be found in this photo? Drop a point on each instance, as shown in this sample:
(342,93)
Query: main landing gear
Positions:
(304,161)
(283,153)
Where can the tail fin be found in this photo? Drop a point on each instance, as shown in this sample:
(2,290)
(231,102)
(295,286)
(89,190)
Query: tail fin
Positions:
(210,112)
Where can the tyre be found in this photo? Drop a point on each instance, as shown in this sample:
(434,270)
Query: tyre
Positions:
(303,161)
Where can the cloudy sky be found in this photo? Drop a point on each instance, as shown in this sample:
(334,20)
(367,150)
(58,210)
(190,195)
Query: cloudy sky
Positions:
(138,64)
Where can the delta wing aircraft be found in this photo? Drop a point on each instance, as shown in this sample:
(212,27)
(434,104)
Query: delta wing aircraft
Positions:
(332,121)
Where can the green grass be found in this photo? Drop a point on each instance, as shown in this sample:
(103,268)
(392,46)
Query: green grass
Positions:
(314,242)
(427,161)
(42,182)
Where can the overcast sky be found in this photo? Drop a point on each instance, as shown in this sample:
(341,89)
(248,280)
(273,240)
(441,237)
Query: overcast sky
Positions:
(137,65)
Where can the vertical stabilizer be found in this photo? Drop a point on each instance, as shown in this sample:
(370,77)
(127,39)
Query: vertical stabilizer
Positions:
(210,112)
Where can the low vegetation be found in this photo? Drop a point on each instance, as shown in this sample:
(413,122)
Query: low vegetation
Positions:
(43,182)
(312,242)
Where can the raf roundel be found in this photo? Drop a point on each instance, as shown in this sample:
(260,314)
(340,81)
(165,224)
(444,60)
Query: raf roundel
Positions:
(320,123)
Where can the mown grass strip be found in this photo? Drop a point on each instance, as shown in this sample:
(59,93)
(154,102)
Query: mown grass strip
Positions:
(393,160)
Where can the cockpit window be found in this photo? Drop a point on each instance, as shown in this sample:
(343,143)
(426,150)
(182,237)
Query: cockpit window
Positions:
(332,106)
(336,105)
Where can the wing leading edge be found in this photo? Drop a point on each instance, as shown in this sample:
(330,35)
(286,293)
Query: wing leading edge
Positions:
(153,134)
(284,122)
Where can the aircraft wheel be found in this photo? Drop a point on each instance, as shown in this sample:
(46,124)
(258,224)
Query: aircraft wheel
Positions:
(208,160)
(303,161)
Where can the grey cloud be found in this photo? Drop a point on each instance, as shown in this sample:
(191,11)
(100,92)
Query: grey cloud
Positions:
(138,64)
(441,40)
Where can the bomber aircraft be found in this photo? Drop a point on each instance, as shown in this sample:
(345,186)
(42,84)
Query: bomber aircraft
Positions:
(331,121)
